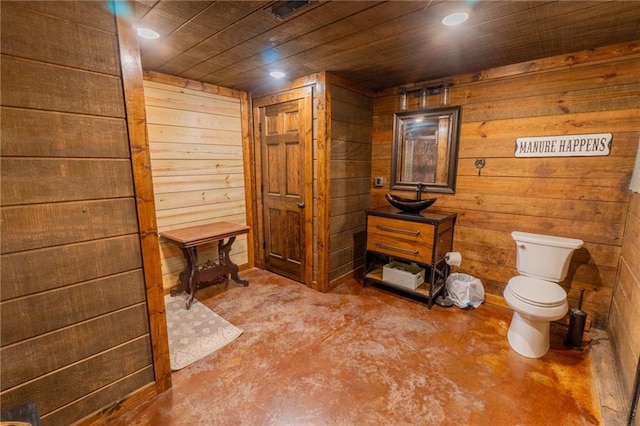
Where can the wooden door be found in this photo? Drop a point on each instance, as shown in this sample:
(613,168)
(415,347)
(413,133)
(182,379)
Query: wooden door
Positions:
(285,145)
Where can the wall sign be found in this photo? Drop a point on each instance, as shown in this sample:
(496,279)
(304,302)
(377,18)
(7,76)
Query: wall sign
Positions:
(588,145)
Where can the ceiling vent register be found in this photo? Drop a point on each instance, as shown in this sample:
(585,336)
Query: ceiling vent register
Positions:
(282,9)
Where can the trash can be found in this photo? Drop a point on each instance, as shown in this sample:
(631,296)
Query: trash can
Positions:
(465,290)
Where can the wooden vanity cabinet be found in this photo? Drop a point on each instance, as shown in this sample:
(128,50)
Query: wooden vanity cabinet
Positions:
(422,238)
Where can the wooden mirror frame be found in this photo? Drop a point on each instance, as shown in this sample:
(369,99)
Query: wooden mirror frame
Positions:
(452,138)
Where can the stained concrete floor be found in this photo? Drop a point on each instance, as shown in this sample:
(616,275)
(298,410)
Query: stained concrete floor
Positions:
(364,356)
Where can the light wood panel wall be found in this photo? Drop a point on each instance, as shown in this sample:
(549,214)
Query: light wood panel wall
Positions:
(350,168)
(586,92)
(75,334)
(195,140)
(625,309)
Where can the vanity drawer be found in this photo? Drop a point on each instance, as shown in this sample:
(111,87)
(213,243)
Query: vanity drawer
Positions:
(400,248)
(399,238)
(417,233)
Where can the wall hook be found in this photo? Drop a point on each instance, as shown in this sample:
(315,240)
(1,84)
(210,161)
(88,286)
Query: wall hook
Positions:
(480,163)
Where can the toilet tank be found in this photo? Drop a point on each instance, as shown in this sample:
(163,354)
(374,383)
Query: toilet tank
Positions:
(544,256)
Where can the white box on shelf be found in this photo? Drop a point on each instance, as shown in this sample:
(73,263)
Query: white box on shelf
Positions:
(403,274)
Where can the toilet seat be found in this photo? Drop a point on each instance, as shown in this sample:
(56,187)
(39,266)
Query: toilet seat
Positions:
(536,292)
(535,304)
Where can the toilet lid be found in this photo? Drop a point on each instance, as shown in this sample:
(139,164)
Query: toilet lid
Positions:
(537,292)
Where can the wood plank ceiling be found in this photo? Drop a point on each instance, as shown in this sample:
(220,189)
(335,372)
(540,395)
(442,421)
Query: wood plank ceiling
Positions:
(377,44)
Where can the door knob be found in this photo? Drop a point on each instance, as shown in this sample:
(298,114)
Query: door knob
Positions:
(300,205)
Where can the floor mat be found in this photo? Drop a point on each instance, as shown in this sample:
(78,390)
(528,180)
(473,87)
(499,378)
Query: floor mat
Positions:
(195,333)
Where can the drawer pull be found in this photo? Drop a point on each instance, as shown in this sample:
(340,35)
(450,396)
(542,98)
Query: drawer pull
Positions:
(398,230)
(388,247)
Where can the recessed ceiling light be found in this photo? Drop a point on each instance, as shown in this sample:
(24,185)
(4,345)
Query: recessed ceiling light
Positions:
(455,19)
(147,33)
(277,74)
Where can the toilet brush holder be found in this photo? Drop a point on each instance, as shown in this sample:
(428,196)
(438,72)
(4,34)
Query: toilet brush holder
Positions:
(577,321)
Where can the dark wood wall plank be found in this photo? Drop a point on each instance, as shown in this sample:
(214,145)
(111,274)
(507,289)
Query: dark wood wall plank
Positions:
(609,167)
(63,386)
(35,133)
(540,104)
(592,231)
(69,305)
(351,130)
(72,90)
(591,77)
(97,14)
(84,47)
(138,387)
(583,210)
(45,225)
(344,187)
(589,188)
(30,272)
(75,329)
(32,180)
(24,361)
(586,122)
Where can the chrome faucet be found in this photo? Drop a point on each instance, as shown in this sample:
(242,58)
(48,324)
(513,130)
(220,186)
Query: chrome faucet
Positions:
(419,190)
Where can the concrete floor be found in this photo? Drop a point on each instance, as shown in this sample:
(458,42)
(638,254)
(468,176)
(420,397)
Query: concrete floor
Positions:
(363,356)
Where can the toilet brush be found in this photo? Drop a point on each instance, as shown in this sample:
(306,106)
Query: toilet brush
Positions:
(577,320)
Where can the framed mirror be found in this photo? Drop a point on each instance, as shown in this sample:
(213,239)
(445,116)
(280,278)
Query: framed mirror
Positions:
(425,149)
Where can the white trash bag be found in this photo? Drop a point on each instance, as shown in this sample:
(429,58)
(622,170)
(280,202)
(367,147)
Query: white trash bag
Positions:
(465,290)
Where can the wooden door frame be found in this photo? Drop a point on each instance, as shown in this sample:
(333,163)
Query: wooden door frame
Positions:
(145,202)
(132,86)
(306,130)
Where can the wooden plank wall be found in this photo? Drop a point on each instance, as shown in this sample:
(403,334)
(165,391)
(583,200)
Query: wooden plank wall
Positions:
(625,309)
(350,153)
(75,331)
(586,92)
(338,188)
(195,140)
(317,84)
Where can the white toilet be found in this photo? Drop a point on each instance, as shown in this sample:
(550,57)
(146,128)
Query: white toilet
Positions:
(542,262)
